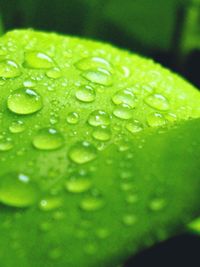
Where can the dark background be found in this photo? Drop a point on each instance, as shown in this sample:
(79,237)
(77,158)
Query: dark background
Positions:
(166,30)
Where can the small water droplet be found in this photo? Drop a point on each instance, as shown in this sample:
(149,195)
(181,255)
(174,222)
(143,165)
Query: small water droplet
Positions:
(17,127)
(102,133)
(129,219)
(134,127)
(93,63)
(55,253)
(91,204)
(102,233)
(24,101)
(98,76)
(90,248)
(126,97)
(78,185)
(54,73)
(155,120)
(132,198)
(123,112)
(38,60)
(98,118)
(82,152)
(72,118)
(157,204)
(9,69)
(50,203)
(5,145)
(86,94)
(48,139)
(157,101)
(17,190)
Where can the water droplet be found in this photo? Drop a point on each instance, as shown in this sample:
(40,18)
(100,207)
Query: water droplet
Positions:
(171,117)
(98,118)
(132,198)
(38,60)
(50,203)
(17,190)
(55,253)
(82,152)
(102,233)
(24,101)
(9,69)
(78,185)
(157,204)
(157,101)
(129,219)
(102,133)
(5,145)
(123,112)
(86,94)
(134,127)
(124,97)
(93,63)
(155,120)
(98,76)
(54,73)
(90,248)
(48,139)
(72,118)
(17,127)
(91,204)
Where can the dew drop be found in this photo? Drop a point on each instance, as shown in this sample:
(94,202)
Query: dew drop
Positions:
(101,133)
(54,73)
(91,204)
(98,76)
(134,127)
(82,152)
(50,203)
(124,97)
(48,139)
(9,69)
(157,101)
(17,190)
(24,101)
(93,63)
(157,204)
(86,94)
(102,233)
(38,60)
(5,145)
(72,118)
(17,127)
(155,120)
(55,254)
(123,112)
(129,219)
(98,118)
(78,185)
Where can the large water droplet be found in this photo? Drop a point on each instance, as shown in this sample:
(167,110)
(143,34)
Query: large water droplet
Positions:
(5,144)
(123,112)
(38,60)
(9,69)
(72,118)
(93,63)
(86,94)
(91,204)
(98,76)
(98,118)
(78,185)
(48,139)
(124,97)
(82,152)
(157,101)
(17,190)
(101,133)
(17,127)
(155,120)
(24,101)
(54,73)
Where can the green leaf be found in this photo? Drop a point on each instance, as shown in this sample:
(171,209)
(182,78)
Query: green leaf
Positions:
(99,152)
